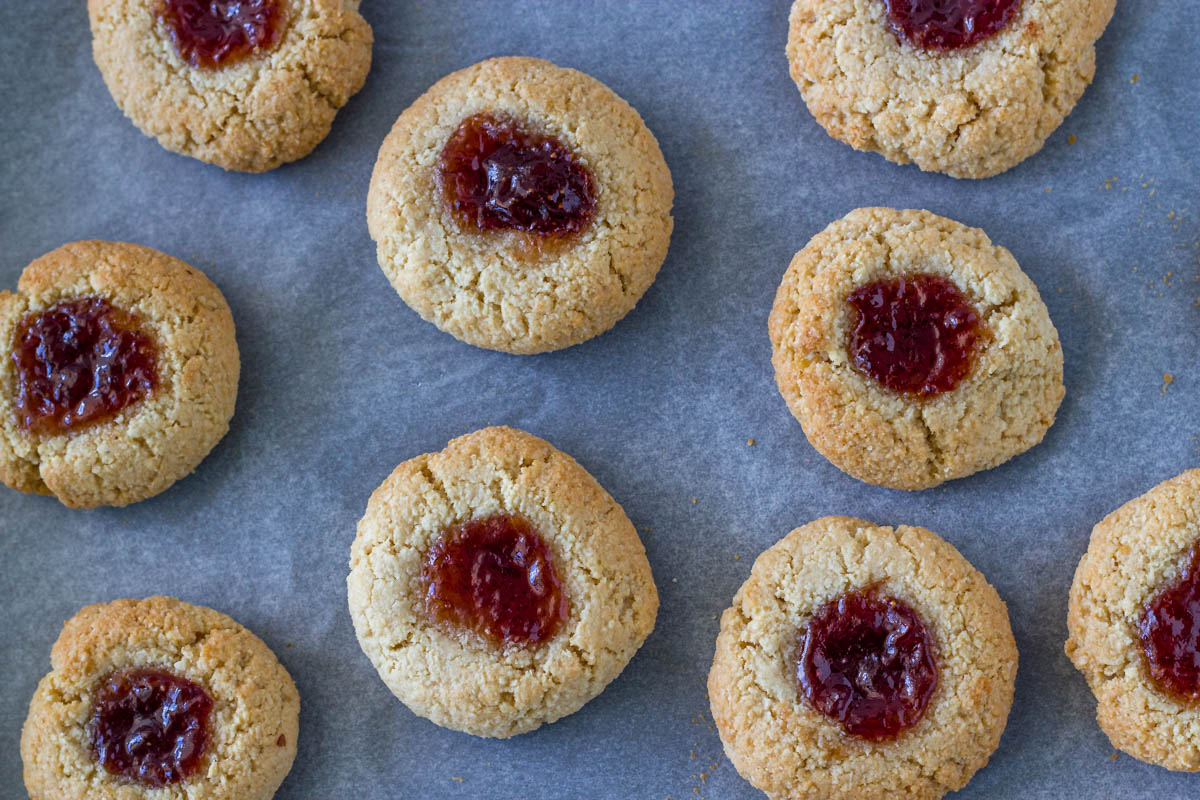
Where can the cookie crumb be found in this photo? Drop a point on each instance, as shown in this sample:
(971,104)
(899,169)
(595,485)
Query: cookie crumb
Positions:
(693,499)
(1071,139)
(1167,379)
(749,443)
(737,558)
(1134,79)
(457,779)
(1114,756)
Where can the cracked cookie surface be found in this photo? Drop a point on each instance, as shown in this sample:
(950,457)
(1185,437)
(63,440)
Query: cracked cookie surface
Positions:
(498,289)
(253,725)
(1132,553)
(253,115)
(1003,406)
(969,113)
(457,678)
(162,437)
(782,744)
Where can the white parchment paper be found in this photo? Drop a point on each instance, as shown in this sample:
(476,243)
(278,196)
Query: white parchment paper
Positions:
(341,381)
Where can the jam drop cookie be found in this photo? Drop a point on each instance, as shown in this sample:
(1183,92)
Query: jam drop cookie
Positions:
(966,87)
(1134,621)
(159,698)
(520,206)
(118,373)
(912,350)
(861,662)
(496,586)
(244,85)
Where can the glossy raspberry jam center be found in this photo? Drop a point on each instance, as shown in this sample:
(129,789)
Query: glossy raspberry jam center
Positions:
(495,576)
(914,334)
(1170,632)
(867,661)
(150,726)
(949,24)
(497,175)
(80,362)
(214,33)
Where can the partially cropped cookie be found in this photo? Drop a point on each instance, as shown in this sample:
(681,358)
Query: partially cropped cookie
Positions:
(496,586)
(913,350)
(118,373)
(1134,621)
(158,698)
(245,85)
(520,206)
(965,87)
(861,662)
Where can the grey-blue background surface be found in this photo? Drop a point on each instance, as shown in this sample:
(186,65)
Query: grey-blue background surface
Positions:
(340,381)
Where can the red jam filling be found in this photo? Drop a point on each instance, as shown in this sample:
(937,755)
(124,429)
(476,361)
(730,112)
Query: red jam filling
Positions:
(495,576)
(867,661)
(949,24)
(1170,632)
(214,33)
(150,726)
(497,175)
(914,334)
(80,362)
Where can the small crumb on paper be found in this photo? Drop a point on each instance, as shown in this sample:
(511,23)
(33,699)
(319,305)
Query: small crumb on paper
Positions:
(1134,79)
(749,443)
(1071,139)
(1167,379)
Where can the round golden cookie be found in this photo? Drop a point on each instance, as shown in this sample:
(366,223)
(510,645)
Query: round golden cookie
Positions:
(158,439)
(971,112)
(776,737)
(1002,407)
(1134,553)
(251,728)
(251,114)
(453,675)
(505,289)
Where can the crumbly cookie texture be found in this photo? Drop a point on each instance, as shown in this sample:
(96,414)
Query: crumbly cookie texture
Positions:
(780,743)
(970,113)
(461,681)
(1003,407)
(253,115)
(253,725)
(156,441)
(496,289)
(1133,552)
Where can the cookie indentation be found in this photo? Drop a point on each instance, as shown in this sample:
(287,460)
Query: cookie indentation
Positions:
(80,362)
(496,174)
(495,576)
(150,726)
(1169,629)
(216,33)
(867,661)
(949,24)
(914,334)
